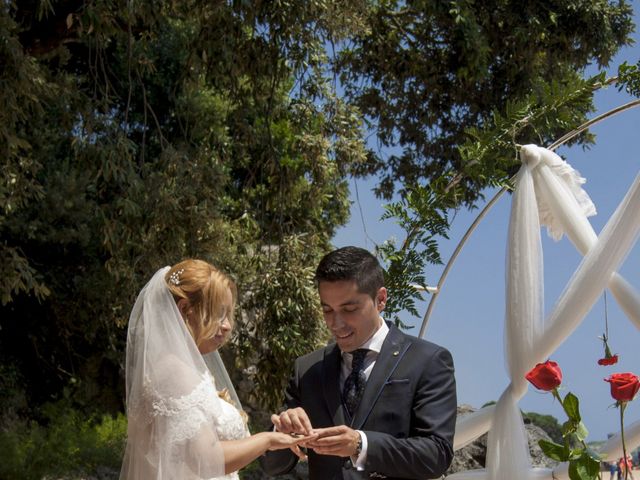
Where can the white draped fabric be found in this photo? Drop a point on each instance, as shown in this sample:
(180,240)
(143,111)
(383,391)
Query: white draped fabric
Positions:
(219,372)
(472,426)
(548,191)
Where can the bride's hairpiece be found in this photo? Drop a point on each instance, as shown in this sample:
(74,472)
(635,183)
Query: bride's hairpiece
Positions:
(175,276)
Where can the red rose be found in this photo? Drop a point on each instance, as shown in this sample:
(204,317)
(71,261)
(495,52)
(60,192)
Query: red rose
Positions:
(624,386)
(545,376)
(612,360)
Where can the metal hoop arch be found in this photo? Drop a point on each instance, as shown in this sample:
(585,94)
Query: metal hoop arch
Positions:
(558,143)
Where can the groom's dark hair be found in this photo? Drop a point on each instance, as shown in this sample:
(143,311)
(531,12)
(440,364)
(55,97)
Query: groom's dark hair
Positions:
(352,263)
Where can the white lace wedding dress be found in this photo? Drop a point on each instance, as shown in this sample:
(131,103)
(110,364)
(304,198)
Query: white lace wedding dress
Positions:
(176,420)
(183,419)
(230,426)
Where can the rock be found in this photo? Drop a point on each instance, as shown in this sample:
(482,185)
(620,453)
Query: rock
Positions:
(473,456)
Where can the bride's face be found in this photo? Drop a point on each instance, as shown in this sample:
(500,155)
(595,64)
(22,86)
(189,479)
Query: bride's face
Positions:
(224,329)
(211,344)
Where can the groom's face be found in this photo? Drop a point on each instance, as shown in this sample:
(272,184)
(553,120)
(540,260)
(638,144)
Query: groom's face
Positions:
(352,316)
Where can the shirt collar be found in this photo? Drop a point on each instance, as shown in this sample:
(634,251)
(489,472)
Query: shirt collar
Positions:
(377,339)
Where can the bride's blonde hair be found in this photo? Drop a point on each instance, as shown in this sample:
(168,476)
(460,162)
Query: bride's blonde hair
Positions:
(205,288)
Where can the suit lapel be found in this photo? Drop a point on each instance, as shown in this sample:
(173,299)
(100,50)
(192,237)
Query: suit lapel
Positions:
(392,351)
(330,384)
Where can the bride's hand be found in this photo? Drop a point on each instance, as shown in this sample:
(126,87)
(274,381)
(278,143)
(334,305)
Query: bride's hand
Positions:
(279,441)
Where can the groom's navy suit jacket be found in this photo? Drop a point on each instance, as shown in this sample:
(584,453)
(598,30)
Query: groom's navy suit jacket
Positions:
(408,411)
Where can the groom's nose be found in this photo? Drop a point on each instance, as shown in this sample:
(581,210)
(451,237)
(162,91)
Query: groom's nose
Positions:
(334,320)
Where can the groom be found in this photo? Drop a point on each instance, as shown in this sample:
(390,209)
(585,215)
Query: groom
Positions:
(382,402)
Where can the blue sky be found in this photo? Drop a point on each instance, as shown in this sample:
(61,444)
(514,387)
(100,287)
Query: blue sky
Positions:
(468,317)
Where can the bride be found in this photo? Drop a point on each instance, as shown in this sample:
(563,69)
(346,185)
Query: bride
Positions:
(179,427)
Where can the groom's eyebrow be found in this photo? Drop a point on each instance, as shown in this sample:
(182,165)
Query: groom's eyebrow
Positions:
(348,302)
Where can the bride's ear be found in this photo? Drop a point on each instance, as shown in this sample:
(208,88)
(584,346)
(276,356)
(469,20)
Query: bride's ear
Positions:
(183,307)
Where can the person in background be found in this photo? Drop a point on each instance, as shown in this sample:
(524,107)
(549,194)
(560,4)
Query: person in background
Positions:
(613,469)
(625,468)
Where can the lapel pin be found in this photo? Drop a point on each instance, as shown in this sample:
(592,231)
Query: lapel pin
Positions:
(396,353)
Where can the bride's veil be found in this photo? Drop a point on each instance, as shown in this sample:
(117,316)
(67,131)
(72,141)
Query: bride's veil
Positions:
(171,400)
(223,381)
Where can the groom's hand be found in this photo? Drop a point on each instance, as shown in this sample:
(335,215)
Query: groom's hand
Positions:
(294,420)
(341,441)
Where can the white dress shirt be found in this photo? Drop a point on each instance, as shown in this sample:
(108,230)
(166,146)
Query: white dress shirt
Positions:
(374,344)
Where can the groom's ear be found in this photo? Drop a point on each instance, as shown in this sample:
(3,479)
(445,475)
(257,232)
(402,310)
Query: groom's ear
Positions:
(381,299)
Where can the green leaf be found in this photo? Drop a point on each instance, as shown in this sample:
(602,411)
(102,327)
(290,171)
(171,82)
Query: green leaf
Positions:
(568,428)
(581,431)
(555,451)
(585,467)
(571,406)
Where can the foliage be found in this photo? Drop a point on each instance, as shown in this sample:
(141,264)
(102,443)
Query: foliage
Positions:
(629,78)
(583,463)
(426,72)
(273,340)
(12,395)
(251,471)
(489,156)
(67,443)
(424,218)
(451,90)
(137,134)
(134,134)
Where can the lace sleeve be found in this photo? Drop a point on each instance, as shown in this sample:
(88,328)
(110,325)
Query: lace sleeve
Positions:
(177,424)
(185,416)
